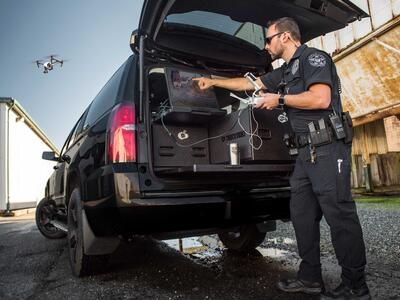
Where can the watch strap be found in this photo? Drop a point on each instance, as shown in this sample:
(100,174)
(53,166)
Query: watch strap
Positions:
(281,100)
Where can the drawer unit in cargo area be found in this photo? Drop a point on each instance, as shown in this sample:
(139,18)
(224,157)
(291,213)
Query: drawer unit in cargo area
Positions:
(179,145)
(258,134)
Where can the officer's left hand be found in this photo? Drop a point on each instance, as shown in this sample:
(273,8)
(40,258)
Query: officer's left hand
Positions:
(269,101)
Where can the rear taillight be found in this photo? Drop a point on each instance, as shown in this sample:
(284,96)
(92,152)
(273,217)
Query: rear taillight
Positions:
(121,138)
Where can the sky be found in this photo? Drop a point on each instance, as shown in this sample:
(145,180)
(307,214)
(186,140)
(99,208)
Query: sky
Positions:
(93,35)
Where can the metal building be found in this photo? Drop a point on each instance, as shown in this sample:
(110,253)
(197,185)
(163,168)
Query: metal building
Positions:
(23,173)
(367,55)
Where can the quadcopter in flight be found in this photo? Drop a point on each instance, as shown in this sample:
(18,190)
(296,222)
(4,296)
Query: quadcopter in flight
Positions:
(48,64)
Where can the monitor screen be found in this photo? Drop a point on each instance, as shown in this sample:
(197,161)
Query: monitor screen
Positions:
(183,92)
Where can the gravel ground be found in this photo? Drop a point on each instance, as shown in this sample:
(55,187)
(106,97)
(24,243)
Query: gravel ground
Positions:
(381,228)
(35,268)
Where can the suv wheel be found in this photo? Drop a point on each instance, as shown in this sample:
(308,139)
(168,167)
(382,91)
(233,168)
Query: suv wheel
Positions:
(247,238)
(44,214)
(81,264)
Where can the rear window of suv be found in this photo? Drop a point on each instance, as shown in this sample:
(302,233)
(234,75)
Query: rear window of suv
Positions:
(105,99)
(252,33)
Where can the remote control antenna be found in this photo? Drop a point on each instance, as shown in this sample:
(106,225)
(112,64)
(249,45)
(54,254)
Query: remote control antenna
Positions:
(253,80)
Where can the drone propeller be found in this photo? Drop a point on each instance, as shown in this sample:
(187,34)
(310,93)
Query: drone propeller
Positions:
(63,61)
(38,62)
(51,56)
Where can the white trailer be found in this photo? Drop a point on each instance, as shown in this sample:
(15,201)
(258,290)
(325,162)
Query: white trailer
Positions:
(23,173)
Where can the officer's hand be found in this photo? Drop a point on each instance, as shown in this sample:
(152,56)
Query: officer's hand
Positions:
(203,83)
(269,101)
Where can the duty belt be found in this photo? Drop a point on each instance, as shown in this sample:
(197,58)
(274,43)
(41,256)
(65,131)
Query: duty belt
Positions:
(302,140)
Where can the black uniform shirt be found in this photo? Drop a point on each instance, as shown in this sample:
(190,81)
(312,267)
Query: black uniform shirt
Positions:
(308,66)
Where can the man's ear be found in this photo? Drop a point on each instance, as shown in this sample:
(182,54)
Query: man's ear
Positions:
(290,38)
(286,37)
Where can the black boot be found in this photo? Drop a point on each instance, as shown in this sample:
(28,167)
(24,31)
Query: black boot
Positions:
(343,292)
(302,286)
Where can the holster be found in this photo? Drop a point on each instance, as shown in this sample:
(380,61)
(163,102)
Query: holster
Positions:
(348,127)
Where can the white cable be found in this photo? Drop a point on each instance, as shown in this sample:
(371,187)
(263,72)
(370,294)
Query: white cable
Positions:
(255,130)
(251,134)
(165,127)
(198,142)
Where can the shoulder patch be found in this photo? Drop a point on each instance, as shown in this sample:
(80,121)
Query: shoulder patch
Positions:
(317,60)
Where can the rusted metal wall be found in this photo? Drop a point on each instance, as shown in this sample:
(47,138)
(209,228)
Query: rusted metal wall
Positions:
(370,75)
(367,56)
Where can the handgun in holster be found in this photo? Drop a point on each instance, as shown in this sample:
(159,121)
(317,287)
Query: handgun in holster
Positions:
(348,127)
(290,142)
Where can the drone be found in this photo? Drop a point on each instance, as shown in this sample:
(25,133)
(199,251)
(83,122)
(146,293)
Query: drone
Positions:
(50,63)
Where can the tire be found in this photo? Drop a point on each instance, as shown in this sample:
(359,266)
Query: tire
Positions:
(246,239)
(44,214)
(81,264)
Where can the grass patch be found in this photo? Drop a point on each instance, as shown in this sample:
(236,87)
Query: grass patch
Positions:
(386,202)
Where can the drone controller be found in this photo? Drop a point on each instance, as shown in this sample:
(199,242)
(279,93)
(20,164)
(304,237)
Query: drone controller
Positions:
(255,100)
(253,80)
(252,101)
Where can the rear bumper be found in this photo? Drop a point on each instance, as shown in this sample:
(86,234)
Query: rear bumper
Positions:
(191,211)
(240,170)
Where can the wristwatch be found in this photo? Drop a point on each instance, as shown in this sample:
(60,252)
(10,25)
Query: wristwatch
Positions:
(281,100)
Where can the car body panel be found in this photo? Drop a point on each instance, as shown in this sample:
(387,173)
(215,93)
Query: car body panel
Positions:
(315,18)
(131,198)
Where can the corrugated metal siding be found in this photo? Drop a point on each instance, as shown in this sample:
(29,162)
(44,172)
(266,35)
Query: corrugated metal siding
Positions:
(396,7)
(23,174)
(28,172)
(363,27)
(370,72)
(345,37)
(381,12)
(3,155)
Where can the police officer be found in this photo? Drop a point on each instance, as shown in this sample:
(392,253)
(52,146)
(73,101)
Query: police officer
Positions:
(307,87)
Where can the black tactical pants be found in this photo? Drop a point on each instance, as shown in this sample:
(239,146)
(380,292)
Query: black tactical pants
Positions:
(323,189)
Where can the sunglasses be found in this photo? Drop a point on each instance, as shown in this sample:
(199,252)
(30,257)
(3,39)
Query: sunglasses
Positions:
(269,38)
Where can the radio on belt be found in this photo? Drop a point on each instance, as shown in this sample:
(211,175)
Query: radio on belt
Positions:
(337,126)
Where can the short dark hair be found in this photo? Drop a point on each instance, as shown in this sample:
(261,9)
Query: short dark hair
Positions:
(287,24)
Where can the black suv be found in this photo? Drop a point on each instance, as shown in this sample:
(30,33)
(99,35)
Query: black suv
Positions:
(153,155)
